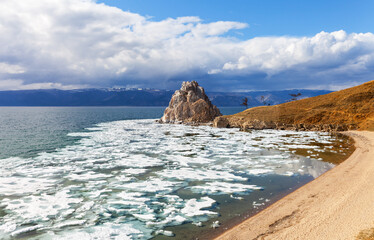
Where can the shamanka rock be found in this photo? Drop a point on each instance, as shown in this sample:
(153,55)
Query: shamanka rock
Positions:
(190,105)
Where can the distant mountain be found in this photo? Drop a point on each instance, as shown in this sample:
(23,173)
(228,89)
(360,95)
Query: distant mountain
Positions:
(140,97)
(259,98)
(86,97)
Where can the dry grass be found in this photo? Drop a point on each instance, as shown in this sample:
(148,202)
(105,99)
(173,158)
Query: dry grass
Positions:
(367,234)
(353,107)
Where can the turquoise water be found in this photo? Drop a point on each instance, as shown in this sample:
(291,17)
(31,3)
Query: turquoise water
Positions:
(27,131)
(114,173)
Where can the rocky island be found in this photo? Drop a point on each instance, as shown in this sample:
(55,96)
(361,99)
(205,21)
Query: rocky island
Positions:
(190,105)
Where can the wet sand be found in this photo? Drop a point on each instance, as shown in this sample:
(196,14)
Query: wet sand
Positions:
(336,205)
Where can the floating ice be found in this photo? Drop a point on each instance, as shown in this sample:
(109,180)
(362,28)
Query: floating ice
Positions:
(198,224)
(25,230)
(153,185)
(70,223)
(215,224)
(166,233)
(42,207)
(88,176)
(259,171)
(105,231)
(8,227)
(197,174)
(135,171)
(214,188)
(193,207)
(23,185)
(123,179)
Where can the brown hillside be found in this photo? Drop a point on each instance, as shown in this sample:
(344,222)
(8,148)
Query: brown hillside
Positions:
(351,108)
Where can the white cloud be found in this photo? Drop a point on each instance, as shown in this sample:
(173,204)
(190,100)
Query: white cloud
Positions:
(17,84)
(57,43)
(325,50)
(216,28)
(6,68)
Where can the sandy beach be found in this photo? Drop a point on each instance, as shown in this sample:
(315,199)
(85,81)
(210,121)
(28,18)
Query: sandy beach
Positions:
(336,205)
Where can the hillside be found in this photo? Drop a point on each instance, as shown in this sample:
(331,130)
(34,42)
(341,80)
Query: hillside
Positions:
(351,108)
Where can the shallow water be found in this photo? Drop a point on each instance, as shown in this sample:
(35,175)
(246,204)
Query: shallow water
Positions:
(136,179)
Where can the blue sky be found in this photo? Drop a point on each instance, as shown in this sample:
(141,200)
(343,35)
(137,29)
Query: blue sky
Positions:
(265,17)
(225,45)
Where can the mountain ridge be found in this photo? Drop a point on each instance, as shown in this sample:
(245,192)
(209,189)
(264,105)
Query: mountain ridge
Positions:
(139,97)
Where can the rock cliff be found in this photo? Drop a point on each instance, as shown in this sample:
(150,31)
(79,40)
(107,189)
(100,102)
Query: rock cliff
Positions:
(190,105)
(348,109)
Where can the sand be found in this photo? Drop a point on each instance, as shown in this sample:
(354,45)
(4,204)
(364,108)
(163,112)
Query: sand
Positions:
(336,205)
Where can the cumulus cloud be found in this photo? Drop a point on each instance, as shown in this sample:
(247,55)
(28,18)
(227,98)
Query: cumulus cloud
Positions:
(10,69)
(17,84)
(78,43)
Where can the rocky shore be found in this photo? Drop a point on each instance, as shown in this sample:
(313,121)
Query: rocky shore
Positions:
(255,124)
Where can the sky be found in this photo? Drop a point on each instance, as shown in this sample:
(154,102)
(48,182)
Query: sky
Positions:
(237,45)
(264,17)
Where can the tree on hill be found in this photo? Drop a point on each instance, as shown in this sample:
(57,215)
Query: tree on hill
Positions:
(245,102)
(262,99)
(294,96)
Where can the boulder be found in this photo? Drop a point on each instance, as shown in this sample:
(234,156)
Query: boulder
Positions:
(190,105)
(221,122)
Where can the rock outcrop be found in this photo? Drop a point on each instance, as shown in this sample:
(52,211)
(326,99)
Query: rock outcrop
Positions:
(190,105)
(348,109)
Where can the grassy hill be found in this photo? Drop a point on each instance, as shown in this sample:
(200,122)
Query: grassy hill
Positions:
(348,109)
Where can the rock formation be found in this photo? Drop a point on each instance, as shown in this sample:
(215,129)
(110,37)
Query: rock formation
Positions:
(190,105)
(348,109)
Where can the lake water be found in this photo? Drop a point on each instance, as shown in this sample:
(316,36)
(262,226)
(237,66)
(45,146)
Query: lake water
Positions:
(114,173)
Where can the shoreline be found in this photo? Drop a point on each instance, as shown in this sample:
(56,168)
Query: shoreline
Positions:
(336,205)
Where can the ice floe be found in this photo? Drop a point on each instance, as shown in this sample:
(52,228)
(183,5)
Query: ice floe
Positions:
(122,180)
(214,188)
